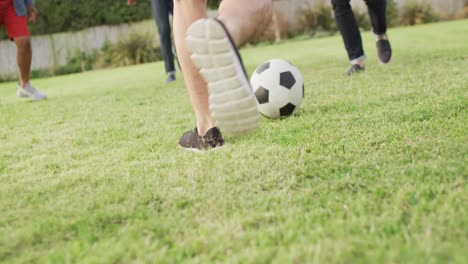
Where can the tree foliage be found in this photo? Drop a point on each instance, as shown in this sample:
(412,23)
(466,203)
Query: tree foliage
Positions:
(72,15)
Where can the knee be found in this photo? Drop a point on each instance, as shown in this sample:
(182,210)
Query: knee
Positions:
(23,43)
(340,4)
(263,6)
(244,18)
(341,7)
(262,10)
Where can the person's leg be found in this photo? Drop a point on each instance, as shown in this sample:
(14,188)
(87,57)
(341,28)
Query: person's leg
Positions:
(244,19)
(185,13)
(207,43)
(349,30)
(377,14)
(161,10)
(23,58)
(17,30)
(232,103)
(213,46)
(378,18)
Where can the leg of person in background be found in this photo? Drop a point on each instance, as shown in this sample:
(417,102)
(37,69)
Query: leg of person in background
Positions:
(161,10)
(24,58)
(17,29)
(378,17)
(350,33)
(216,81)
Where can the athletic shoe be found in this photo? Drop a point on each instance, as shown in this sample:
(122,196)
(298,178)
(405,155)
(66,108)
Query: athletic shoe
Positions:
(384,50)
(355,68)
(31,92)
(171,77)
(232,103)
(190,140)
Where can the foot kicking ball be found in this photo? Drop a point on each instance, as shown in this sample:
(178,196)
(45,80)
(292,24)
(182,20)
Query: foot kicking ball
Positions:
(278,87)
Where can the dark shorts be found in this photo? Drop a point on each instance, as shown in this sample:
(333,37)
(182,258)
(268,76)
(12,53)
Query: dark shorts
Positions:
(16,26)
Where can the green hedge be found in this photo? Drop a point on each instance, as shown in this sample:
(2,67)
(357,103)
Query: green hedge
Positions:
(213,3)
(73,15)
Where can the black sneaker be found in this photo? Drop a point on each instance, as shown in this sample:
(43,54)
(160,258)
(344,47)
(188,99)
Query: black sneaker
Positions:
(355,68)
(171,77)
(384,50)
(190,140)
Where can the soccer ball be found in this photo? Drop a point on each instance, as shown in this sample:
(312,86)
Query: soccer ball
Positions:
(278,87)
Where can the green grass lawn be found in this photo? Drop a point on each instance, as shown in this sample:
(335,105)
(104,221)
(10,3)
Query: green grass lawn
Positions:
(372,169)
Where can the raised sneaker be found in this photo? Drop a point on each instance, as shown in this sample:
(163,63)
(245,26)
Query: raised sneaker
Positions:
(231,100)
(384,50)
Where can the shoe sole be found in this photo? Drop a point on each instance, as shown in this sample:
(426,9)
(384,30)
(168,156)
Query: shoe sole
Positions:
(23,95)
(383,63)
(200,151)
(20,94)
(232,103)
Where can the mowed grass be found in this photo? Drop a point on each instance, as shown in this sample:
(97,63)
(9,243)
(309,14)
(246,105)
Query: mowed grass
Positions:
(371,169)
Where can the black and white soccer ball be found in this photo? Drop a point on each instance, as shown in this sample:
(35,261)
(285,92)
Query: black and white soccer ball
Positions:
(279,88)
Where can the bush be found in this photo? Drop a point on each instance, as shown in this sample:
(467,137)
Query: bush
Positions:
(213,4)
(315,17)
(308,20)
(464,12)
(134,48)
(77,62)
(415,12)
(40,73)
(325,19)
(393,16)
(73,15)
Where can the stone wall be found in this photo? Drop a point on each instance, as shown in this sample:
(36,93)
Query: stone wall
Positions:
(53,50)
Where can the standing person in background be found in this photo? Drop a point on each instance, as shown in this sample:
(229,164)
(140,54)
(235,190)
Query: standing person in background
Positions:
(161,10)
(351,35)
(13,16)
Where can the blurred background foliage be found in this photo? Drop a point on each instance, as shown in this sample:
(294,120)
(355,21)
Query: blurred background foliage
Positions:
(137,47)
(73,15)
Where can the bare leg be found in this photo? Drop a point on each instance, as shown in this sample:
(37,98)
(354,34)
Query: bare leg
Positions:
(185,13)
(242,18)
(24,55)
(245,18)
